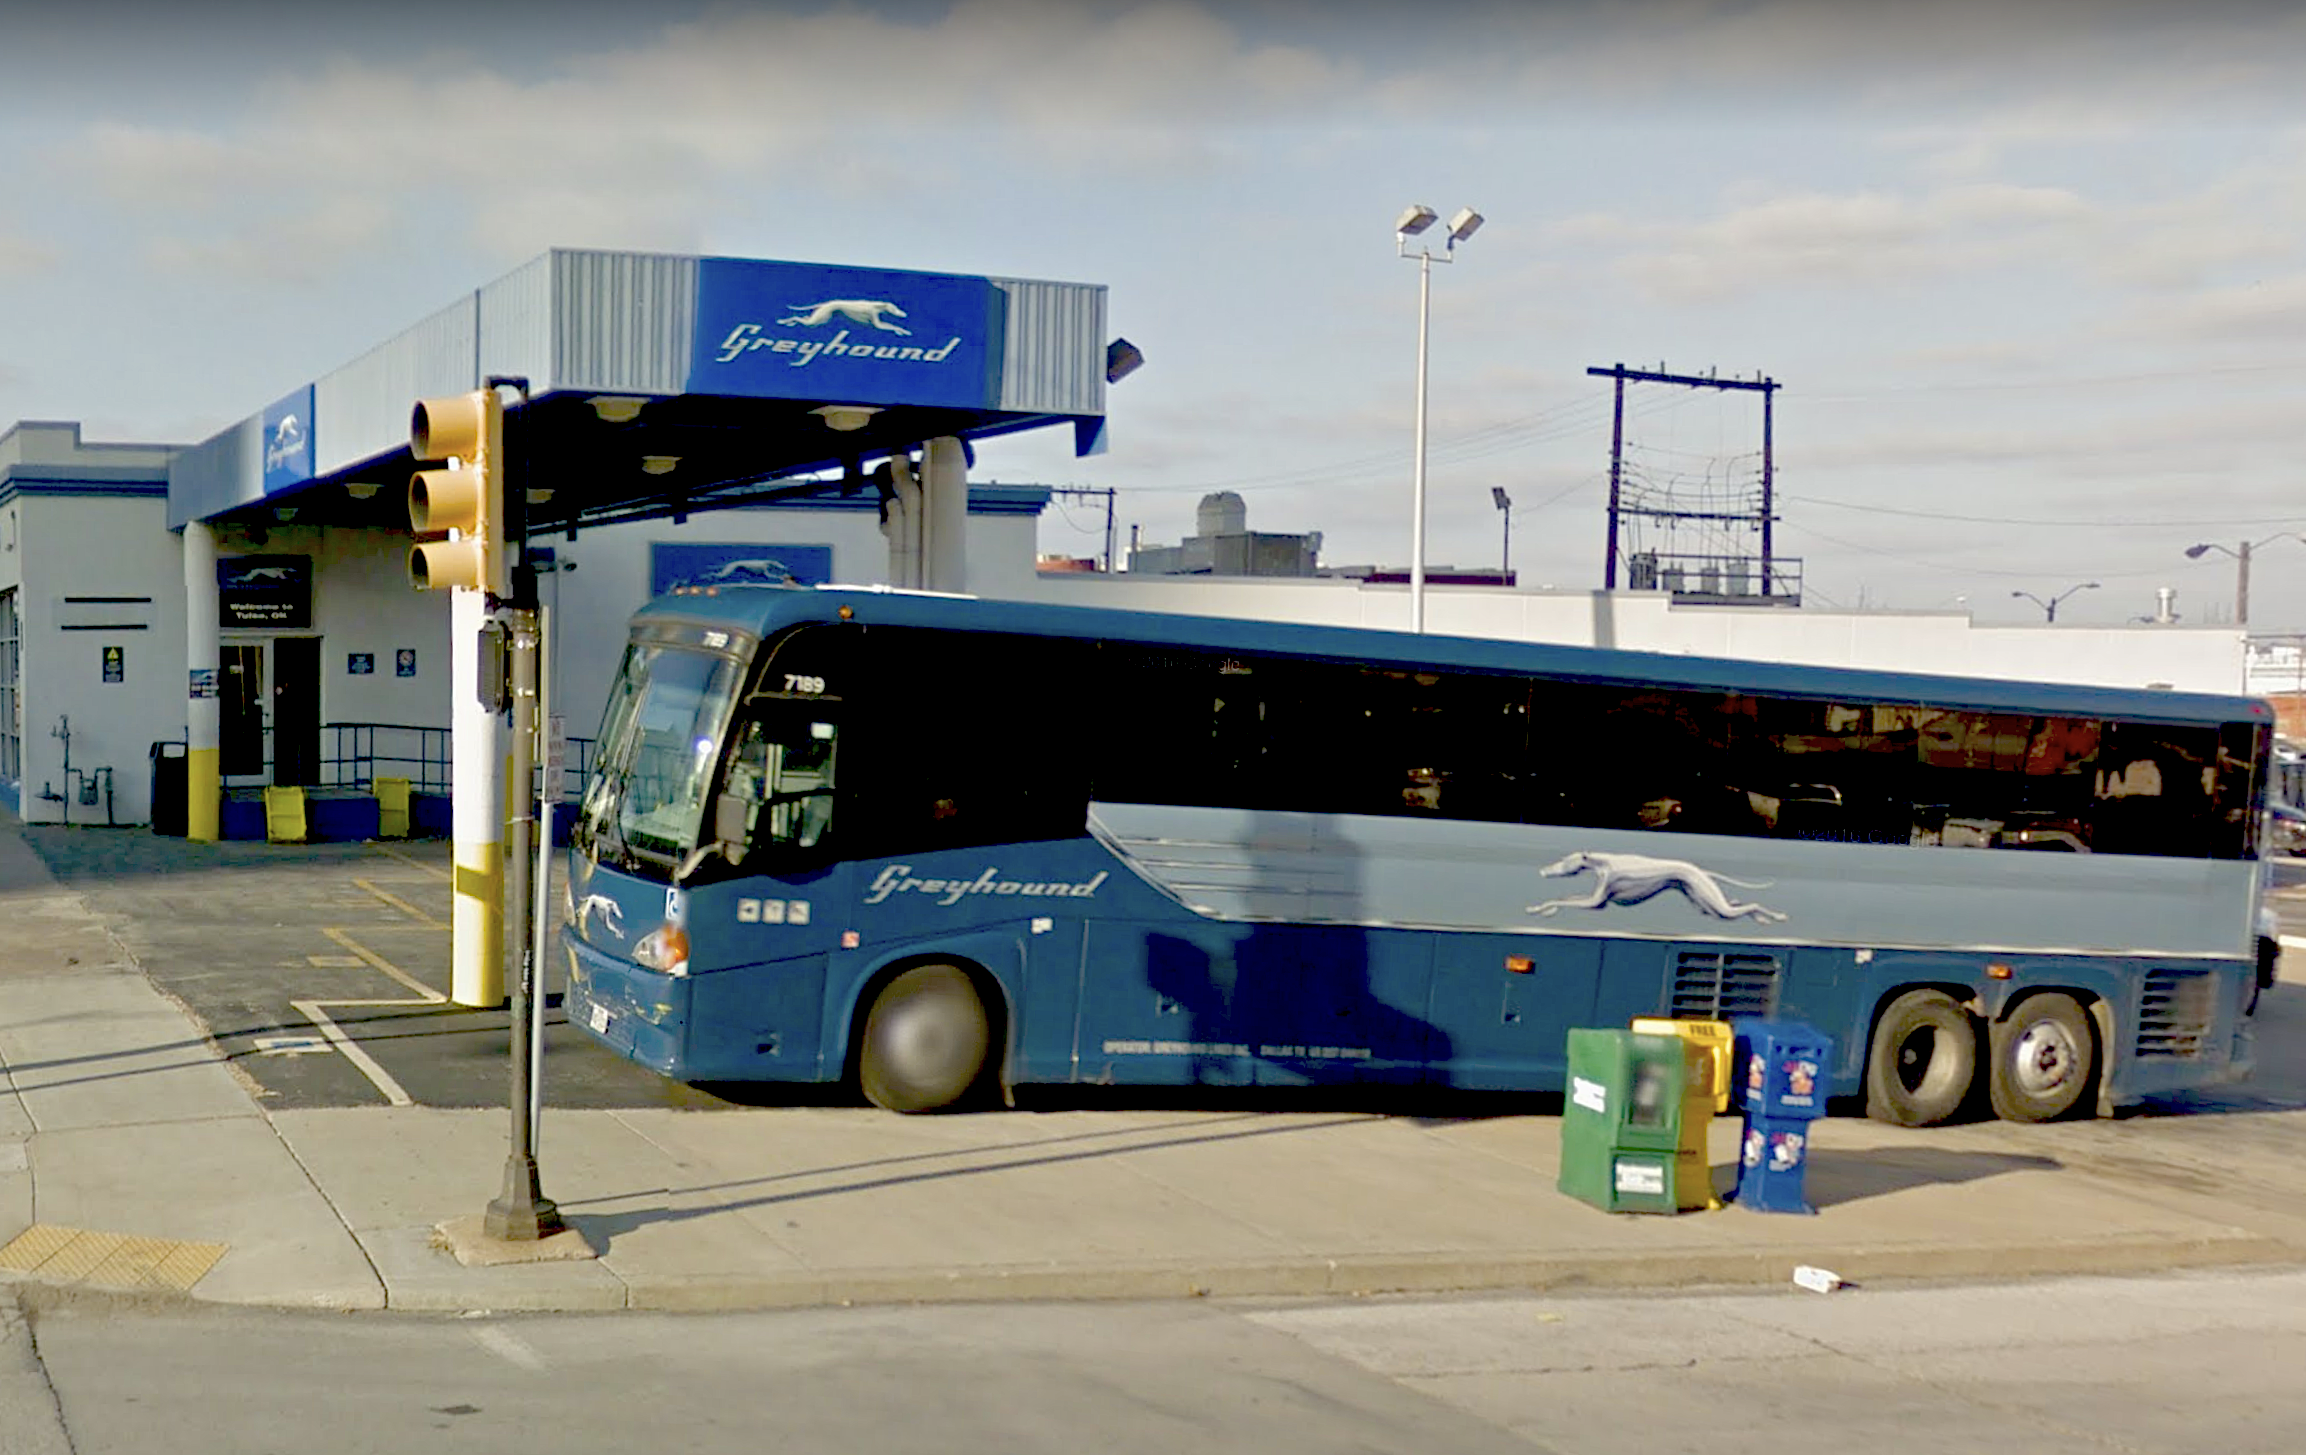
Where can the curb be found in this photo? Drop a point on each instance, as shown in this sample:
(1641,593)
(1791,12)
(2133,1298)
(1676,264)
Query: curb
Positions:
(1855,1264)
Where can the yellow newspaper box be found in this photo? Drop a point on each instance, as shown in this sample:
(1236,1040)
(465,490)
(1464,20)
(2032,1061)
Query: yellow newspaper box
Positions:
(1705,1092)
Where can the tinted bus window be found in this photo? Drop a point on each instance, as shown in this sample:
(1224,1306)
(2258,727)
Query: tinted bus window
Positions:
(966,738)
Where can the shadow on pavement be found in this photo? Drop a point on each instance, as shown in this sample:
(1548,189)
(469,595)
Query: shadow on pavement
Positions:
(1836,1178)
(601,1229)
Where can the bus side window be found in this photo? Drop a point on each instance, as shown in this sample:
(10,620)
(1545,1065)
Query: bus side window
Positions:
(781,774)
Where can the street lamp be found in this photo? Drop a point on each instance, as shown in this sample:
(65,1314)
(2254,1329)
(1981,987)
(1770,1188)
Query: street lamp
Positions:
(2050,607)
(1414,220)
(1505,548)
(2241,557)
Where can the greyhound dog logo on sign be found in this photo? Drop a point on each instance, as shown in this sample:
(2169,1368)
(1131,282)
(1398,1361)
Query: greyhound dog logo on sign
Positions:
(871,312)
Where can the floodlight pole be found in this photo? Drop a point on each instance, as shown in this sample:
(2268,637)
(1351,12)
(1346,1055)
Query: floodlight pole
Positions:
(1461,227)
(1417,473)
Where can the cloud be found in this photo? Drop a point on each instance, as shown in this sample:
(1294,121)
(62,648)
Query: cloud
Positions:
(20,257)
(2264,311)
(1851,239)
(642,146)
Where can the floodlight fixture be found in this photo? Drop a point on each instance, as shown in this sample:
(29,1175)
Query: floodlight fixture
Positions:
(1415,219)
(846,417)
(1464,224)
(1122,358)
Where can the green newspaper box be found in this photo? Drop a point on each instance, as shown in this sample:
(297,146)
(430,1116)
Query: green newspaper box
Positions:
(1621,1120)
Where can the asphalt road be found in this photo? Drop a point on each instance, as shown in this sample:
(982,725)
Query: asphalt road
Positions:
(2179,1365)
(270,946)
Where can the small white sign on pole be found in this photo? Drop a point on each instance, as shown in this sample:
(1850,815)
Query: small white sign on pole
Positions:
(555,758)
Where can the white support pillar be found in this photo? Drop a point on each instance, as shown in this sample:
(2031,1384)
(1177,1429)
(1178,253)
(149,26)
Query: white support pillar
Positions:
(903,526)
(203,778)
(477,808)
(945,501)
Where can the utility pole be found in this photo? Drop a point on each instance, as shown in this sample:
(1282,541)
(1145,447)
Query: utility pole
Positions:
(1765,517)
(1092,492)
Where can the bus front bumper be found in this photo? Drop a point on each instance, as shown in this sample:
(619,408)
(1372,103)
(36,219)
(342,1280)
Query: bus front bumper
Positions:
(635,1012)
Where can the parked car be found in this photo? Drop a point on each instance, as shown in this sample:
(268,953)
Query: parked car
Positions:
(2285,829)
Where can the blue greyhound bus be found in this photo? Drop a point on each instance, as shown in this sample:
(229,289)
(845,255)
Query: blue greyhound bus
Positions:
(940,847)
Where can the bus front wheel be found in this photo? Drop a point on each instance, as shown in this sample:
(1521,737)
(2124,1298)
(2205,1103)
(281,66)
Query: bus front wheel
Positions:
(926,1040)
(2043,1058)
(1923,1061)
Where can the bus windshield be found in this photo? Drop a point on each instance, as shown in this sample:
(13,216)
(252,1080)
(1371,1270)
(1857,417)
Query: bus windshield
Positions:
(659,740)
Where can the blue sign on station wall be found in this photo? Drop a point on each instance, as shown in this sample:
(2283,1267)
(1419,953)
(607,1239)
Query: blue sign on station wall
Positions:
(846,335)
(288,442)
(734,563)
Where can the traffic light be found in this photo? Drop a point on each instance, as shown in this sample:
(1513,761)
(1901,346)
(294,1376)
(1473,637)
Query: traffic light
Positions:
(465,501)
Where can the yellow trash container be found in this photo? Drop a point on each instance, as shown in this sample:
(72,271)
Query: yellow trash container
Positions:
(1705,1093)
(284,815)
(391,807)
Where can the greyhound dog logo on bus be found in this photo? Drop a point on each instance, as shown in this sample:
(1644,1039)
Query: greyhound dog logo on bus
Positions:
(1634,878)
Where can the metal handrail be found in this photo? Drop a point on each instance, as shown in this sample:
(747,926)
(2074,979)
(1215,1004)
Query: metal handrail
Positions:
(358,753)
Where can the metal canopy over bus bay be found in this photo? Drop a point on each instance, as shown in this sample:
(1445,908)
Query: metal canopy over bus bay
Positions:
(662,384)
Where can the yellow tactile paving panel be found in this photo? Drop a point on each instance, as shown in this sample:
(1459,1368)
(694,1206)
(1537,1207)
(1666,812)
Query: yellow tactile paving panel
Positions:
(108,1260)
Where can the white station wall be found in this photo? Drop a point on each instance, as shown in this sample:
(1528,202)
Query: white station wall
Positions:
(85,546)
(362,604)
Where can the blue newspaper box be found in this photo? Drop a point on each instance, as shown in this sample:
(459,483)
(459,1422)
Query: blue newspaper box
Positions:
(1781,1085)
(1781,1069)
(1770,1166)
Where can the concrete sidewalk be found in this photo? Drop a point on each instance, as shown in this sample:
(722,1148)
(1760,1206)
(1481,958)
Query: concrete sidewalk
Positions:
(132,1156)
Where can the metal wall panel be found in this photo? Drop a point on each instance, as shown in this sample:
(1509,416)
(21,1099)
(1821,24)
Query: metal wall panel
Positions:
(626,321)
(516,326)
(1055,354)
(217,474)
(361,410)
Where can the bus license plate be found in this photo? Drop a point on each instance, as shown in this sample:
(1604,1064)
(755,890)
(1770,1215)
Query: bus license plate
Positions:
(600,1019)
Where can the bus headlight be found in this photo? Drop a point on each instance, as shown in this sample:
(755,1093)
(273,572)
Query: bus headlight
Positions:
(664,948)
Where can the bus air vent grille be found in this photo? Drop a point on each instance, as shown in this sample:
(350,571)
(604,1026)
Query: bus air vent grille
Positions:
(1724,984)
(2175,1012)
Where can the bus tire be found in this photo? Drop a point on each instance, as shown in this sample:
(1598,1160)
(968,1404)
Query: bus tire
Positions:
(2044,1057)
(1923,1060)
(926,1040)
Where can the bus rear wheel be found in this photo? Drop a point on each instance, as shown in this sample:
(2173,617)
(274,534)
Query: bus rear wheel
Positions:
(1923,1061)
(926,1041)
(2043,1059)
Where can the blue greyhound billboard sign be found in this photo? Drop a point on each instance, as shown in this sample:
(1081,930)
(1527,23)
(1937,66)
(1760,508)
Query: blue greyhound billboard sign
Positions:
(846,335)
(288,442)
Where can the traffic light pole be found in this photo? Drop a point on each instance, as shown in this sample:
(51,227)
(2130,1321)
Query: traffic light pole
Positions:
(522,1213)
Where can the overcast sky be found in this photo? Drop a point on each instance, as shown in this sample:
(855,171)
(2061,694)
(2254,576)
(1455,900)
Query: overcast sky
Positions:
(2031,276)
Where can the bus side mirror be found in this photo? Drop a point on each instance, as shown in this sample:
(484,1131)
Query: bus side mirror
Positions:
(730,826)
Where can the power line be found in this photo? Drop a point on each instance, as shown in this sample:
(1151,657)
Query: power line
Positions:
(1558,422)
(1960,570)
(2191,523)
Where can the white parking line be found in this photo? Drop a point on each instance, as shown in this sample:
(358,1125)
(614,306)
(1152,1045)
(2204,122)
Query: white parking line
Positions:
(316,1011)
(509,1346)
